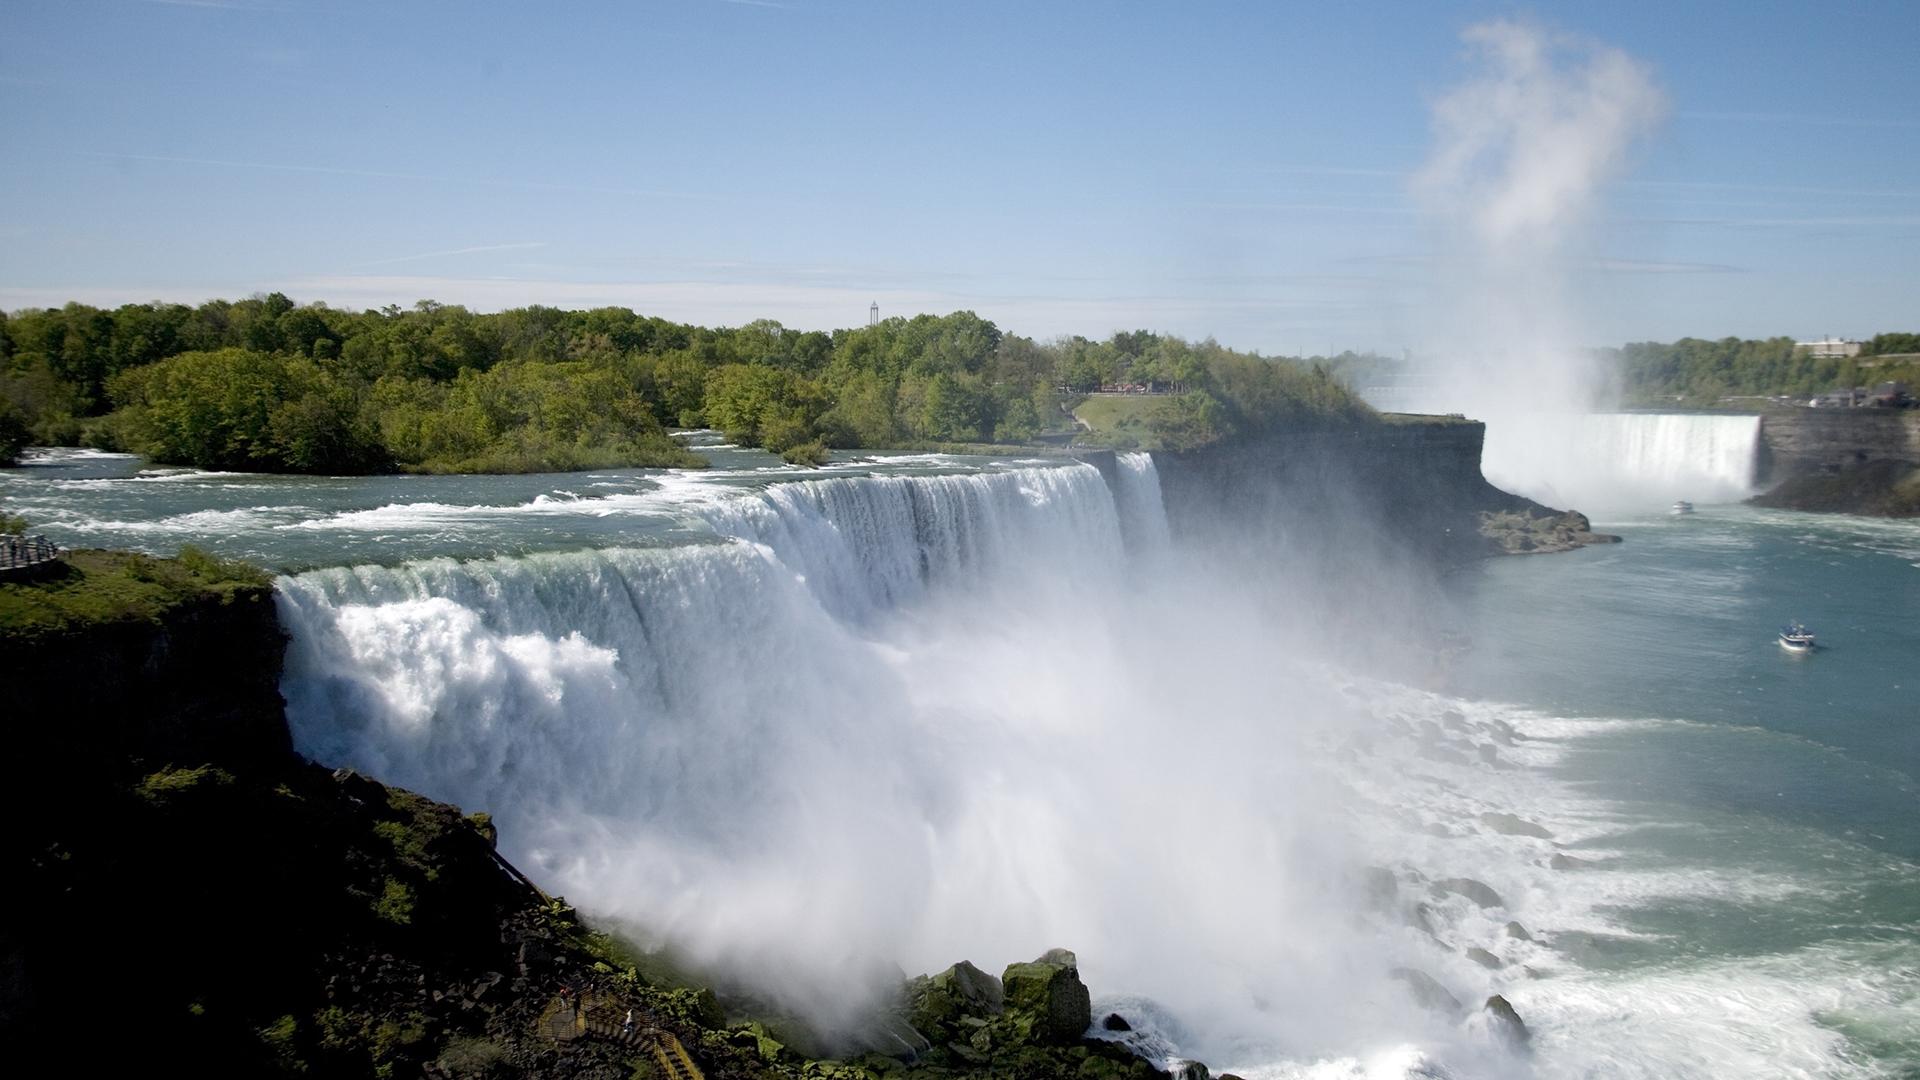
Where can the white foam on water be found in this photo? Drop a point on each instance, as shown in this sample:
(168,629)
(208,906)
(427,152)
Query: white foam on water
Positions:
(60,455)
(916,719)
(196,523)
(1769,1016)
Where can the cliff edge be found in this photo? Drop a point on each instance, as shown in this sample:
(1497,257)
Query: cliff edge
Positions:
(1407,486)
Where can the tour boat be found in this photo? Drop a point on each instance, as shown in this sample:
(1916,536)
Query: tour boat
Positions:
(1682,506)
(1796,637)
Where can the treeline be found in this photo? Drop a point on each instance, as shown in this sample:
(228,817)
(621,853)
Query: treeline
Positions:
(265,384)
(1700,372)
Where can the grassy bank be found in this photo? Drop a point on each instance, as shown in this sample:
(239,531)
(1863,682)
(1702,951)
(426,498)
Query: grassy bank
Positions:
(93,587)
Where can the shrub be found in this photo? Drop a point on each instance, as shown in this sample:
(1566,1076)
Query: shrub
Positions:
(811,454)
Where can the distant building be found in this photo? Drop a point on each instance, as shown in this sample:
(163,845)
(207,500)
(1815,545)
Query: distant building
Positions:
(1830,348)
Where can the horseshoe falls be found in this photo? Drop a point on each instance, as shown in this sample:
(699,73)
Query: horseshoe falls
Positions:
(1613,462)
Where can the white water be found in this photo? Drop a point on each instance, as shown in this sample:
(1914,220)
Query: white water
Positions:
(1143,518)
(1622,462)
(910,720)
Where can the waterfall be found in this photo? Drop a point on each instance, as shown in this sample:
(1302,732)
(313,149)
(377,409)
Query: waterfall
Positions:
(1143,517)
(752,745)
(1624,461)
(870,544)
(875,724)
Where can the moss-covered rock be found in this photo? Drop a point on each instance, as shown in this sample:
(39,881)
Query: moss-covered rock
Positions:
(1045,1000)
(937,1004)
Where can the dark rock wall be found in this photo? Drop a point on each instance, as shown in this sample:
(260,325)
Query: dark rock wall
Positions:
(1801,441)
(1397,489)
(199,685)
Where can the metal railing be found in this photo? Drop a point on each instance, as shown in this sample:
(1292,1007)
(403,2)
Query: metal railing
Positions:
(18,552)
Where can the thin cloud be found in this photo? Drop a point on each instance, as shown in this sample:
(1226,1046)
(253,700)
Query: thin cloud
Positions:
(1310,208)
(755,3)
(1332,170)
(331,170)
(1606,265)
(1800,118)
(229,5)
(1777,189)
(1648,266)
(1901,221)
(450,252)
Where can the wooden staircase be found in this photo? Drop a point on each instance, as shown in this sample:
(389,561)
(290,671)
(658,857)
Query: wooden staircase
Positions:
(566,1019)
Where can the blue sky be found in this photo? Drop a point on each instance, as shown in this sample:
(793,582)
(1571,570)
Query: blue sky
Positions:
(1233,169)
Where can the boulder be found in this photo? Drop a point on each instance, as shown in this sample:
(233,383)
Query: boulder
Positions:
(1045,999)
(1477,891)
(1427,991)
(1515,930)
(1188,1070)
(1502,732)
(1507,1023)
(1510,825)
(1567,862)
(1116,1022)
(936,1003)
(1420,917)
(1484,958)
(1382,889)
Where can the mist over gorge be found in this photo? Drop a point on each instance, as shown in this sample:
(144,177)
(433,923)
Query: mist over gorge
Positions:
(903,721)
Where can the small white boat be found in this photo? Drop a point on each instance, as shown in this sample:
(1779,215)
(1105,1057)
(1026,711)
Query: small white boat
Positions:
(1682,506)
(1795,637)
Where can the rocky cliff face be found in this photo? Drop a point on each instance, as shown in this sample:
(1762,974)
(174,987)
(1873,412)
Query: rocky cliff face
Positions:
(199,684)
(1859,461)
(1800,442)
(1403,489)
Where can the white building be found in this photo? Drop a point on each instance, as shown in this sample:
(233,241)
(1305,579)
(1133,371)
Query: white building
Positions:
(1830,348)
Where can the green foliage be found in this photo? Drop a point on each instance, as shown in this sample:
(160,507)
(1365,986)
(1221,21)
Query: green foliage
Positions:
(122,586)
(1697,372)
(211,568)
(239,409)
(395,903)
(13,432)
(1187,422)
(265,383)
(1883,344)
(172,784)
(812,454)
(466,1056)
(281,1040)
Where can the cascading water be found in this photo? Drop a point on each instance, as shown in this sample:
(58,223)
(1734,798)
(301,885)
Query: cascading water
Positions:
(1143,517)
(1624,461)
(892,720)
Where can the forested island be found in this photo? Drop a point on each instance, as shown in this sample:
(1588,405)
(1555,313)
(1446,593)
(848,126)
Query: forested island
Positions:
(268,385)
